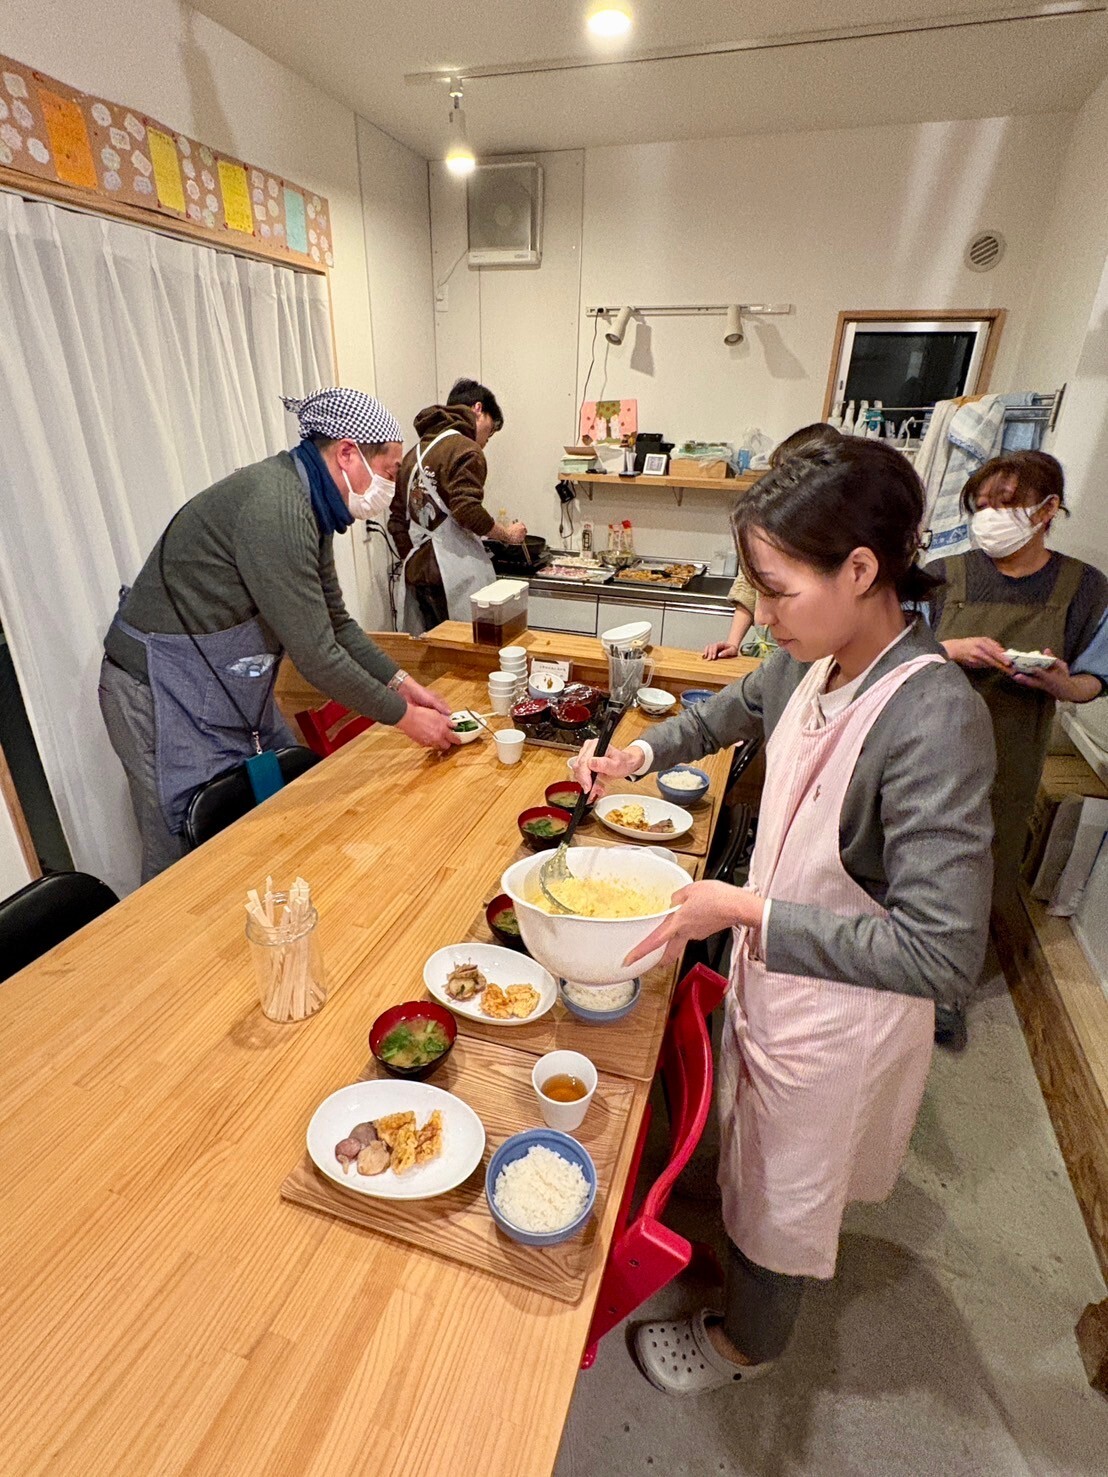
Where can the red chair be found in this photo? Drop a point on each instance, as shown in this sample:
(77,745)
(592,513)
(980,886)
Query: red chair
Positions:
(324,729)
(645,1254)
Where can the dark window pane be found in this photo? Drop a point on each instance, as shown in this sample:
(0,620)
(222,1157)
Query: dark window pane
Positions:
(908,369)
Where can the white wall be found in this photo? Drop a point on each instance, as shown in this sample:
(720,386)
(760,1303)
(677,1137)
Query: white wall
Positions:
(515,329)
(872,217)
(397,230)
(1075,245)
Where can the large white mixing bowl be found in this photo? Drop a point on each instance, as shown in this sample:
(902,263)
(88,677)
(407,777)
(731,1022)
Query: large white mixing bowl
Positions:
(591,951)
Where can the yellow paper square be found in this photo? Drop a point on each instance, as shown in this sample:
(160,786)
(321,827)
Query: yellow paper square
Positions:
(167,169)
(237,209)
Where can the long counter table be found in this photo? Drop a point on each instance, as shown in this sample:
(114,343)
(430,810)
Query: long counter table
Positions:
(164,1310)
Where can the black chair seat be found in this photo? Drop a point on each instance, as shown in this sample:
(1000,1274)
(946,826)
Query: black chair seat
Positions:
(45,912)
(227,797)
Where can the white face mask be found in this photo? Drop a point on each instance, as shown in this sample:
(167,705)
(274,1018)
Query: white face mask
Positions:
(999,532)
(374,502)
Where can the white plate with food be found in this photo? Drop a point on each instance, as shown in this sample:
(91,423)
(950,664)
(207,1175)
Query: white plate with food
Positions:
(643,817)
(395,1140)
(1029,661)
(483,982)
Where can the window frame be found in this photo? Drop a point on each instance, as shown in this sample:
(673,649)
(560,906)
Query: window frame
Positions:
(988,322)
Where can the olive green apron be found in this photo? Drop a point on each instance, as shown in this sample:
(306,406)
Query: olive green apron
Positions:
(1021,715)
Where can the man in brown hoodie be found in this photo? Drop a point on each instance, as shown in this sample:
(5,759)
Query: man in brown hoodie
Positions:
(438,518)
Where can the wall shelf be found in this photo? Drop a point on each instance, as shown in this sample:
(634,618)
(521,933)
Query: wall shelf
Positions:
(730,485)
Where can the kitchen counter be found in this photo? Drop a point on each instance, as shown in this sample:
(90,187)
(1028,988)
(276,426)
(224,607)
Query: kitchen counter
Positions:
(703,589)
(688,618)
(674,667)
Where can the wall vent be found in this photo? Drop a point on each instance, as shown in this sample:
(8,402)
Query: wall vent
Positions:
(984,251)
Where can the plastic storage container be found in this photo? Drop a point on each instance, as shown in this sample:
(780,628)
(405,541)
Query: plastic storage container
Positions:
(499,612)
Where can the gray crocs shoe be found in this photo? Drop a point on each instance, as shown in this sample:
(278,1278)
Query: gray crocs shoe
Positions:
(678,1357)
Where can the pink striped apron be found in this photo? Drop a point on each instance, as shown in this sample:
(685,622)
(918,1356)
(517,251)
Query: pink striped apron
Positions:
(820,1081)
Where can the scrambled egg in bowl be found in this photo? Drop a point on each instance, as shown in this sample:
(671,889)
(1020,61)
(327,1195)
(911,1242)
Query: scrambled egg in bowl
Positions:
(604,897)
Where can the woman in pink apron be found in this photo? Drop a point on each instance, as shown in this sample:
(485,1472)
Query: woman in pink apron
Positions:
(868,898)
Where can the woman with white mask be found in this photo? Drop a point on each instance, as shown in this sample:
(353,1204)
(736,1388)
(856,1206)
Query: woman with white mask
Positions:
(1010,592)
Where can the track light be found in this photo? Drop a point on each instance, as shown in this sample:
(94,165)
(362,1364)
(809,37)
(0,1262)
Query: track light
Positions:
(734,332)
(460,158)
(619,328)
(609,19)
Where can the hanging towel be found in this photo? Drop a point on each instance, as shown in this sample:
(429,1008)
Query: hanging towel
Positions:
(934,450)
(974,433)
(1022,435)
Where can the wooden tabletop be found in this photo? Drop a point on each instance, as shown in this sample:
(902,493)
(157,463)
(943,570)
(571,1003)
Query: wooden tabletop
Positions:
(162,1309)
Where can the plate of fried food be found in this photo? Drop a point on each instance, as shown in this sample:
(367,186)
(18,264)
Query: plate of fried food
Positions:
(643,817)
(485,983)
(395,1140)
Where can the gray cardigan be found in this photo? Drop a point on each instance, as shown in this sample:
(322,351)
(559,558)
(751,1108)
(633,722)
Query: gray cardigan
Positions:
(914,832)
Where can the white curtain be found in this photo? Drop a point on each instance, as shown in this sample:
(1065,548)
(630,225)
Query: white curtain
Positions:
(135,370)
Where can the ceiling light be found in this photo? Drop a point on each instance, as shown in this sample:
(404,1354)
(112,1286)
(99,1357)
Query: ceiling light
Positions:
(609,19)
(734,331)
(460,158)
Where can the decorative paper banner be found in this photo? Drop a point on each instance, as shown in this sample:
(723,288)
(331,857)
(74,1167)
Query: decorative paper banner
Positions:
(296,221)
(65,124)
(167,170)
(24,142)
(51,131)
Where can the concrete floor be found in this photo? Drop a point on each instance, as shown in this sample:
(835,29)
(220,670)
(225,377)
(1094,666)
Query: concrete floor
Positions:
(944,1345)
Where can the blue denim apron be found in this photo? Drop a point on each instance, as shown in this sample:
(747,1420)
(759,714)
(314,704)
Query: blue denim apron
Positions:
(197,731)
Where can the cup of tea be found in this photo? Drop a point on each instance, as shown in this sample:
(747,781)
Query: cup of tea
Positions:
(564,1083)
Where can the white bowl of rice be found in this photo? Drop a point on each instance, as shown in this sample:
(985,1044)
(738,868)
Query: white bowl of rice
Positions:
(599,1004)
(620,894)
(541,1187)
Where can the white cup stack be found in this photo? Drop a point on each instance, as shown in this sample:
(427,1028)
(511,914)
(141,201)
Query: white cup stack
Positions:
(502,692)
(513,663)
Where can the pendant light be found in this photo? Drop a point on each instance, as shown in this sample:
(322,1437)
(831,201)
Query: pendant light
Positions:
(460,158)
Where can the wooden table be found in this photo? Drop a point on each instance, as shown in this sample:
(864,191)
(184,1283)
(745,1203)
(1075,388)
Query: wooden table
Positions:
(162,1310)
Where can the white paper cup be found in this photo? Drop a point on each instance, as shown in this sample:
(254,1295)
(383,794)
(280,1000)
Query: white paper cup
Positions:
(512,654)
(509,744)
(563,1116)
(503,679)
(501,701)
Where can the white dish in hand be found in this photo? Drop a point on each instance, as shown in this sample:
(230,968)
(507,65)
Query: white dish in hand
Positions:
(501,967)
(463,715)
(653,809)
(1029,661)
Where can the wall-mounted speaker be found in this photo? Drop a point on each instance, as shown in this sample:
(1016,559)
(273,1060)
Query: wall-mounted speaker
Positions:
(504,209)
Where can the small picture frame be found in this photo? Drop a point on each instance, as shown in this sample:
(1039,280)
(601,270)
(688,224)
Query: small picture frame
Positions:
(655,464)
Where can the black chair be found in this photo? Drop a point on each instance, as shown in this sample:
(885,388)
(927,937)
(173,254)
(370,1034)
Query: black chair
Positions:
(45,912)
(214,806)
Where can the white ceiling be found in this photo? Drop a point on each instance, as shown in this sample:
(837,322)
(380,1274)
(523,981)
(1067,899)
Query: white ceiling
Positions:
(360,51)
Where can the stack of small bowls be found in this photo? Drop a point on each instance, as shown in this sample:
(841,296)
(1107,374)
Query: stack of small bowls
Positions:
(510,682)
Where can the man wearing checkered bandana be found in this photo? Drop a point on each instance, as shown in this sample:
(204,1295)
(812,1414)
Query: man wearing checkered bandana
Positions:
(243,574)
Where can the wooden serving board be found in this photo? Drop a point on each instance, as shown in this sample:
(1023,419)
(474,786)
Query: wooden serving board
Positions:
(458,1225)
